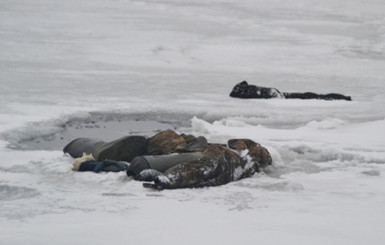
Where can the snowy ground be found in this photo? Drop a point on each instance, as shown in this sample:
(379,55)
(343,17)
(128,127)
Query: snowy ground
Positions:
(114,67)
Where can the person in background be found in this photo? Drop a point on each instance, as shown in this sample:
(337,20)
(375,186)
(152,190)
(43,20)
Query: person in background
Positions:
(245,91)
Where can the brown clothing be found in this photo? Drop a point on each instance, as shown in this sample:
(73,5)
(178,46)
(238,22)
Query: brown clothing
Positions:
(218,166)
(169,141)
(257,152)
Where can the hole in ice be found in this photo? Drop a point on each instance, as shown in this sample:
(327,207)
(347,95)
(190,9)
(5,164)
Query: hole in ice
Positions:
(55,134)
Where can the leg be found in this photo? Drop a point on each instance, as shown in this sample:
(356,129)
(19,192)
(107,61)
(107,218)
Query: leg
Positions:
(309,95)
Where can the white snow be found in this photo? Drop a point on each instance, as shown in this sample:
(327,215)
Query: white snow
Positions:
(60,61)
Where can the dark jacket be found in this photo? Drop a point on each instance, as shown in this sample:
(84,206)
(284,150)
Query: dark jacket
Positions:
(246,91)
(103,166)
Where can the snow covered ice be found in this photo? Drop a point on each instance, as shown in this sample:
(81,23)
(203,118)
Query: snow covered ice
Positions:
(108,68)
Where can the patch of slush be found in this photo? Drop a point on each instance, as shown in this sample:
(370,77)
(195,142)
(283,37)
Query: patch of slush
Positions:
(9,193)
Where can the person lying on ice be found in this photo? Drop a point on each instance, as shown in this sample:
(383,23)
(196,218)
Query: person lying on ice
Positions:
(87,163)
(198,165)
(245,91)
(218,165)
(99,156)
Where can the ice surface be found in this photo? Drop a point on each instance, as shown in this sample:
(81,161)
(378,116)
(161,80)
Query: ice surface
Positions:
(113,67)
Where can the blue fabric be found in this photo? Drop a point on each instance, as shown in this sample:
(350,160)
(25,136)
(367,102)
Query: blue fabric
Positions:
(91,166)
(103,166)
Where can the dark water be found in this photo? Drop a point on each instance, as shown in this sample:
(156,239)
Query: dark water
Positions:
(98,125)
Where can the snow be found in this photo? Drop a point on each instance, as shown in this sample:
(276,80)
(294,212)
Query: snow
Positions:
(114,67)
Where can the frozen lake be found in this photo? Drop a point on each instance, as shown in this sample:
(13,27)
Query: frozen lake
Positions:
(108,68)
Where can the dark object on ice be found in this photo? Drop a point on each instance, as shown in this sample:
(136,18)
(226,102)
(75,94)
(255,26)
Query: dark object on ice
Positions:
(103,166)
(177,161)
(218,166)
(148,175)
(168,141)
(310,95)
(165,142)
(246,91)
(122,149)
(258,153)
(152,186)
(194,144)
(159,162)
(78,146)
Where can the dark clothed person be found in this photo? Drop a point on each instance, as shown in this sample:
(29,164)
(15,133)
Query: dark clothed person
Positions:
(103,166)
(246,91)
(218,165)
